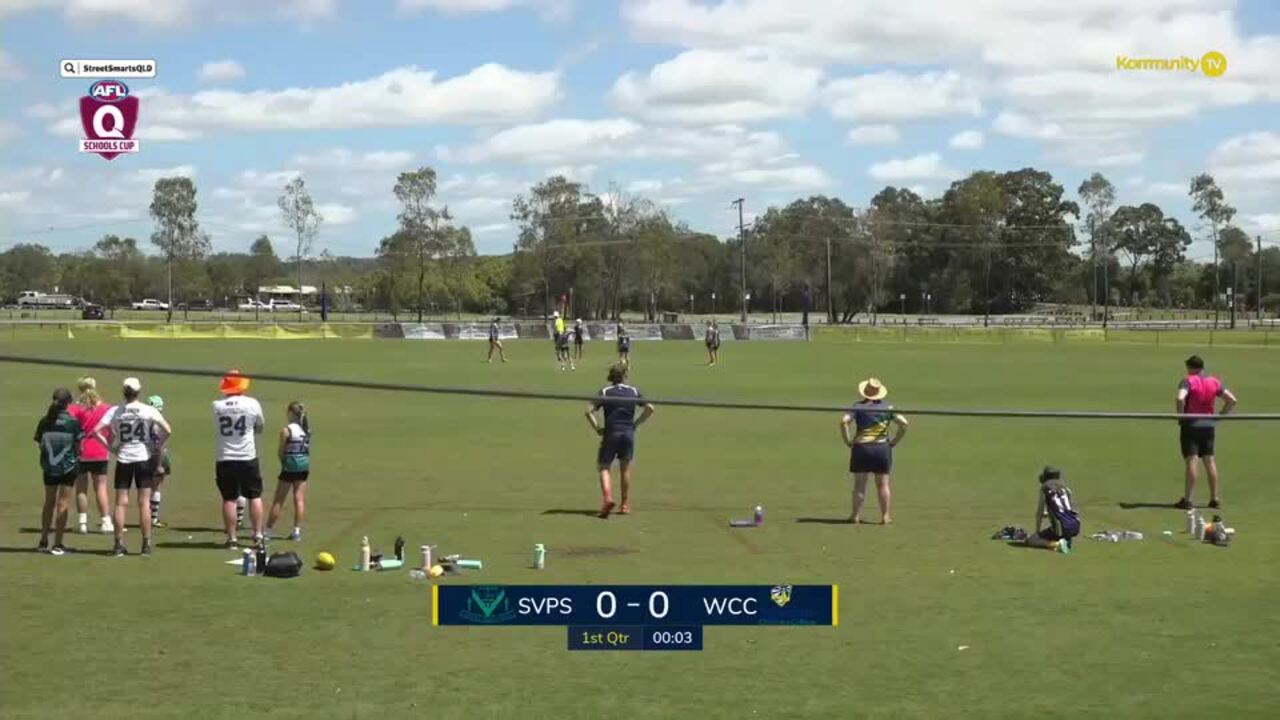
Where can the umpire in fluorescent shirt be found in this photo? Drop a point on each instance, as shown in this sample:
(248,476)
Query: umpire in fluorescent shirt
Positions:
(617,403)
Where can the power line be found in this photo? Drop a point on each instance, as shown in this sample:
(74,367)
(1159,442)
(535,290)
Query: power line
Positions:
(674,402)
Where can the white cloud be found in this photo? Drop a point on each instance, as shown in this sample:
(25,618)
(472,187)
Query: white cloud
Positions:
(490,228)
(402,97)
(41,111)
(640,187)
(892,96)
(712,86)
(553,141)
(1020,126)
(173,13)
(337,214)
(1120,159)
(575,173)
(555,9)
(14,197)
(872,135)
(1247,167)
(799,177)
(342,159)
(10,68)
(967,140)
(221,71)
(927,166)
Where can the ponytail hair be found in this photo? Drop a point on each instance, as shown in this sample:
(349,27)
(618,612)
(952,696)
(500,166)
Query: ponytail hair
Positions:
(88,388)
(298,410)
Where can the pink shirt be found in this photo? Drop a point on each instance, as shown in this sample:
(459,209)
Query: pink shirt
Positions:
(92,449)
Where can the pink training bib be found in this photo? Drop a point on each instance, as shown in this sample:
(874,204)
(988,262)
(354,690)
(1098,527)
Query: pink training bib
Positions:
(91,448)
(1202,391)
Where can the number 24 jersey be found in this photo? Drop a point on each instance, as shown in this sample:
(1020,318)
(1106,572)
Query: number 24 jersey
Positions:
(237,420)
(131,427)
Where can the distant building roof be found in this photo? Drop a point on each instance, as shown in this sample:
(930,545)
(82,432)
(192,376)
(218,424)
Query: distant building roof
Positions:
(286,289)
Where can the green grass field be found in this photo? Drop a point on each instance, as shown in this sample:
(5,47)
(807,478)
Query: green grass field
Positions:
(1158,628)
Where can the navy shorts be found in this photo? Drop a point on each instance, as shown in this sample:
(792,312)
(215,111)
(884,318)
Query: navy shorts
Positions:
(871,458)
(1196,441)
(238,478)
(96,467)
(616,446)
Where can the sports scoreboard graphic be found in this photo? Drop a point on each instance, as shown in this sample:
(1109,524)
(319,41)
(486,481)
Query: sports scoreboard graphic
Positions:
(635,617)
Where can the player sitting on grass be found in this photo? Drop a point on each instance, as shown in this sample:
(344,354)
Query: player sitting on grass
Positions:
(1054,503)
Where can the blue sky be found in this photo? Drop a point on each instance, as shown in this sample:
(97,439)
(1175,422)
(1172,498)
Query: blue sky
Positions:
(690,103)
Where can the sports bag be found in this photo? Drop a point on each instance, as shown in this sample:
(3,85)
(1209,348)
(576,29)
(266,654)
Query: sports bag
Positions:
(284,565)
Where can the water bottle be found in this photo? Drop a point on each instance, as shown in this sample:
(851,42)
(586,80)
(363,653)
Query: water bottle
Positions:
(1199,529)
(426,557)
(260,557)
(759,515)
(1132,535)
(1191,521)
(364,554)
(539,556)
(246,565)
(399,549)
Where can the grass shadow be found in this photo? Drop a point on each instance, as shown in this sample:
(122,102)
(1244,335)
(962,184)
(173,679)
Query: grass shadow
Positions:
(70,551)
(196,529)
(1140,505)
(561,511)
(825,521)
(195,545)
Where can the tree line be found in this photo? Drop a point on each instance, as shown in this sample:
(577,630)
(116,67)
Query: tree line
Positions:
(991,243)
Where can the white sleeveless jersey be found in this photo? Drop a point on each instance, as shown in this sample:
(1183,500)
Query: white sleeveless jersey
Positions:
(131,426)
(237,420)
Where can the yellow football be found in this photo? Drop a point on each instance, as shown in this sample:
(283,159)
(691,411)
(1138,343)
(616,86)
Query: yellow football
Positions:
(435,571)
(325,561)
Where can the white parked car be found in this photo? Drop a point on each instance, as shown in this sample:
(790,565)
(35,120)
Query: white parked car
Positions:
(31,298)
(285,306)
(150,304)
(250,305)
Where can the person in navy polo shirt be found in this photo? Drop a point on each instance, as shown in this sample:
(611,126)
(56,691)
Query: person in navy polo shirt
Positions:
(617,403)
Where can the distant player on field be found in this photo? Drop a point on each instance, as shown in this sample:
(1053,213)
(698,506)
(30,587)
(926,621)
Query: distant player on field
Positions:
(1056,505)
(295,468)
(495,343)
(617,404)
(237,421)
(865,429)
(578,332)
(624,347)
(1197,395)
(712,340)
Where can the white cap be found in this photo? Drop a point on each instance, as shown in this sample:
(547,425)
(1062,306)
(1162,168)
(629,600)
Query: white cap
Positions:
(555,313)
(133,383)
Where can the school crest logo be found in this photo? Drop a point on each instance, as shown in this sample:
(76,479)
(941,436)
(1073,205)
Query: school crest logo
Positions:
(488,604)
(108,115)
(780,595)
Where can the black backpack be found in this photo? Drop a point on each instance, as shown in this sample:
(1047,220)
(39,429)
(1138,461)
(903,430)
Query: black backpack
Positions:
(284,565)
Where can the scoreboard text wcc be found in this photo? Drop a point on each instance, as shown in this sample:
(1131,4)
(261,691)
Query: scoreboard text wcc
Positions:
(635,617)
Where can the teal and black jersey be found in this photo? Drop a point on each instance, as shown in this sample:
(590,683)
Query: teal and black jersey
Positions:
(297,450)
(59,445)
(1062,513)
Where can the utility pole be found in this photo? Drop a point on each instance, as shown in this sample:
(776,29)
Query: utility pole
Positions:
(1217,278)
(742,242)
(1259,295)
(831,308)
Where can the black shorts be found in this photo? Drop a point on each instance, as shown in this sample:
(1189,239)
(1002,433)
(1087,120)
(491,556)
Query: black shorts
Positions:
(616,446)
(141,474)
(96,467)
(297,476)
(61,480)
(871,458)
(1196,441)
(577,340)
(1050,534)
(238,478)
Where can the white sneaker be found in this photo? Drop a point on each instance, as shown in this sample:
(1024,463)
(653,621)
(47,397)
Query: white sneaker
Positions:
(296,534)
(83,529)
(107,526)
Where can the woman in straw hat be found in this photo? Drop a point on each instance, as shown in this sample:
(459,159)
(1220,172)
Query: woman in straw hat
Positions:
(865,429)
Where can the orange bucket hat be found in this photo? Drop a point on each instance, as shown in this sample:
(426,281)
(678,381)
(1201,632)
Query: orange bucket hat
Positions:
(233,383)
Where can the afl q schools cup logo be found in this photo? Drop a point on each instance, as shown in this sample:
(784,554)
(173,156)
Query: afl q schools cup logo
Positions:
(109,115)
